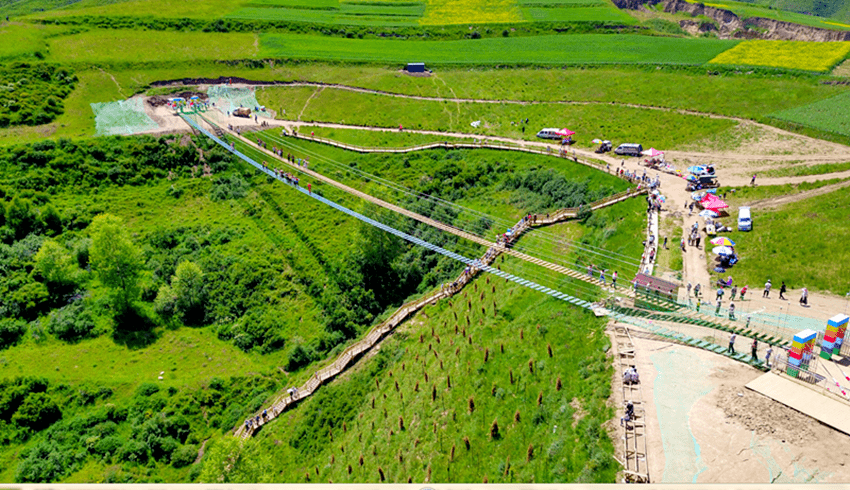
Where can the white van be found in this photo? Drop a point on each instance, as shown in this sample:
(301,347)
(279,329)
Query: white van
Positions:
(549,133)
(631,149)
(745,221)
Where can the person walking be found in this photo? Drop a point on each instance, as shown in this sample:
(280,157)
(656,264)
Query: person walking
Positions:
(665,243)
(755,350)
(614,280)
(699,238)
(782,290)
(731,344)
(602,276)
(689,289)
(309,188)
(804,298)
(697,290)
(699,303)
(743,290)
(767,356)
(717,311)
(767,287)
(753,181)
(731,311)
(734,292)
(719,294)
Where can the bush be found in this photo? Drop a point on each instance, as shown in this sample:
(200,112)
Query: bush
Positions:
(71,323)
(183,456)
(298,358)
(37,412)
(11,330)
(231,187)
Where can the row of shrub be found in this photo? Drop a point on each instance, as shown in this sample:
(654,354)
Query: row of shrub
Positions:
(349,31)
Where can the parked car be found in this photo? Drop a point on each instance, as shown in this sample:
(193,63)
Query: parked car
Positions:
(549,134)
(745,220)
(630,149)
(604,147)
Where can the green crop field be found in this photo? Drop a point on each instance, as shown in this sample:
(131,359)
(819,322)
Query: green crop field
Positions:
(828,115)
(589,49)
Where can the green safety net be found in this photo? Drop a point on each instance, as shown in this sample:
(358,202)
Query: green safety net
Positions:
(123,117)
(228,99)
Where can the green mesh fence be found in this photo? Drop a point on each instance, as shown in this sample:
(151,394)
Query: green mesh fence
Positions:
(227,98)
(121,117)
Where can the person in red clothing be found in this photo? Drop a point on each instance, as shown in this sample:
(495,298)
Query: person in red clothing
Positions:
(309,189)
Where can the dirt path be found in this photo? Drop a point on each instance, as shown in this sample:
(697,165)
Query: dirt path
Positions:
(782,200)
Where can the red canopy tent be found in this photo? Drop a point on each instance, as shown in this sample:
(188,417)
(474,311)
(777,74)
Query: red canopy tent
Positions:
(565,132)
(713,203)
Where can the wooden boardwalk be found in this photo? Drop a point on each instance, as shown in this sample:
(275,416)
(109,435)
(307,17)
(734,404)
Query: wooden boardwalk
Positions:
(803,399)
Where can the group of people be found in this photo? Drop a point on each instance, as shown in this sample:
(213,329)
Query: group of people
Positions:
(754,347)
(630,376)
(591,268)
(254,423)
(804,295)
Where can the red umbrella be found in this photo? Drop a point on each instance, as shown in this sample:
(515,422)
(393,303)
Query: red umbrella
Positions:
(565,132)
(713,203)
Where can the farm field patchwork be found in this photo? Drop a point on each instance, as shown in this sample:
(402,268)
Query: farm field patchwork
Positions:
(831,115)
(549,49)
(745,10)
(799,55)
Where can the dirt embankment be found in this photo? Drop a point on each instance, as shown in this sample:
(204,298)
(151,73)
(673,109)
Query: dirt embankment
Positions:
(730,26)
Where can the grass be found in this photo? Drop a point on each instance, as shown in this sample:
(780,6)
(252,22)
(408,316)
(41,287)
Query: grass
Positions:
(660,129)
(802,170)
(798,55)
(802,243)
(146,8)
(330,431)
(22,42)
(133,46)
(551,49)
(827,115)
(190,358)
(376,139)
(670,259)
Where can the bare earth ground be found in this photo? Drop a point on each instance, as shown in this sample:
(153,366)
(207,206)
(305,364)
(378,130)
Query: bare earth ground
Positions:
(704,426)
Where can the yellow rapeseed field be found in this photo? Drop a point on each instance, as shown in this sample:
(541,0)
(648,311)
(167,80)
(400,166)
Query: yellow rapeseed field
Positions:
(445,12)
(799,55)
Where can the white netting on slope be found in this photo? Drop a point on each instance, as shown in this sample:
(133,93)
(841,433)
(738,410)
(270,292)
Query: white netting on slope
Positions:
(227,98)
(121,117)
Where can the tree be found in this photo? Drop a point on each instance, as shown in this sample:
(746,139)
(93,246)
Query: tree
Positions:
(51,220)
(165,303)
(115,260)
(55,264)
(188,287)
(19,217)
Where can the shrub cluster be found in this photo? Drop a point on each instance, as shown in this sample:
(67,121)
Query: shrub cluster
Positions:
(32,94)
